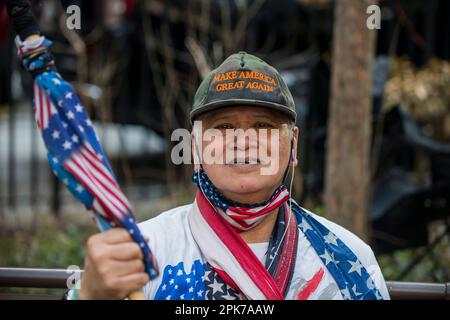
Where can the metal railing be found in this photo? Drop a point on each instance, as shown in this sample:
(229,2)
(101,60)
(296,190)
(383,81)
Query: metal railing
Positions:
(57,278)
(34,278)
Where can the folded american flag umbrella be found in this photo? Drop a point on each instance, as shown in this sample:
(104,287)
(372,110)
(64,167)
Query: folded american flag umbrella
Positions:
(74,151)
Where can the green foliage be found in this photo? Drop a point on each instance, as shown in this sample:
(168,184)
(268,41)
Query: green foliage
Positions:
(434,267)
(51,246)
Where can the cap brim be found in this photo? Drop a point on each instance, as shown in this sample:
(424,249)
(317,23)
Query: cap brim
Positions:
(241,102)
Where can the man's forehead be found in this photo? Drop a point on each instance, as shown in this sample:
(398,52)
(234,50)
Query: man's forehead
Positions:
(241,112)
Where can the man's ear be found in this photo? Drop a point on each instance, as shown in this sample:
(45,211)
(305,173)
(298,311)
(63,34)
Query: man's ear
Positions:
(296,132)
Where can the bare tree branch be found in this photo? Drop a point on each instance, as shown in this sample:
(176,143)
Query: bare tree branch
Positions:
(199,56)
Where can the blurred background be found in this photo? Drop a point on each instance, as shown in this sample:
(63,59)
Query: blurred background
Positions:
(136,66)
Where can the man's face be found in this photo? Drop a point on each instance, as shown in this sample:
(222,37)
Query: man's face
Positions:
(253,164)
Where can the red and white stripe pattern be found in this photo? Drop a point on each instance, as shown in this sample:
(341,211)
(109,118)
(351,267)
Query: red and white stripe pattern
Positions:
(87,167)
(246,218)
(43,106)
(232,258)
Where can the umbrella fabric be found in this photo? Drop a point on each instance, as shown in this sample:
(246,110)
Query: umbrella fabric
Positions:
(74,151)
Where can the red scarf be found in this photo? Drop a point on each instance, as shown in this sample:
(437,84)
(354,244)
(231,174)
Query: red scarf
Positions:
(233,259)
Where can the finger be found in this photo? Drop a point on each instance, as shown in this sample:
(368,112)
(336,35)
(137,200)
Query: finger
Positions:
(133,282)
(115,268)
(125,251)
(115,235)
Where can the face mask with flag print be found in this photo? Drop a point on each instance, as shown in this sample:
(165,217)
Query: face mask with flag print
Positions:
(74,151)
(240,215)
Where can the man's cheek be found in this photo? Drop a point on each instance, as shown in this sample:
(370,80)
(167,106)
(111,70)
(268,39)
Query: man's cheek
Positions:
(213,154)
(271,156)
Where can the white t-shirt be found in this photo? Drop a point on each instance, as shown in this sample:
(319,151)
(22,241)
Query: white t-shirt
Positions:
(182,265)
(260,250)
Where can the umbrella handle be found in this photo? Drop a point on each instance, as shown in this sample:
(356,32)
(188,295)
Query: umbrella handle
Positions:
(137,295)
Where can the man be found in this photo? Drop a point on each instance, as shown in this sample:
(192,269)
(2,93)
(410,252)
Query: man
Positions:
(243,237)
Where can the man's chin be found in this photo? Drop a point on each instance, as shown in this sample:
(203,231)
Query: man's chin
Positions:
(246,193)
(244,168)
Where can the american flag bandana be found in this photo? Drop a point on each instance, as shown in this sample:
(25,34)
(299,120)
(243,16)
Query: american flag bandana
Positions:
(73,148)
(241,216)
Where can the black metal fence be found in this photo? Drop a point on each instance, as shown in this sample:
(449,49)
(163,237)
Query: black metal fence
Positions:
(57,278)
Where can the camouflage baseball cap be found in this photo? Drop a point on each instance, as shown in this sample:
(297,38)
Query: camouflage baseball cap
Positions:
(243,80)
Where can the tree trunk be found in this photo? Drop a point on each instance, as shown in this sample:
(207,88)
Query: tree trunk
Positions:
(349,124)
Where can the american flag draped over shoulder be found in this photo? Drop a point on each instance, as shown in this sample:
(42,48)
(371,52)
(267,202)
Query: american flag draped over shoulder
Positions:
(74,151)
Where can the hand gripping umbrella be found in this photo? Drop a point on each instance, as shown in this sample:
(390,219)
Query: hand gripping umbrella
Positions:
(74,151)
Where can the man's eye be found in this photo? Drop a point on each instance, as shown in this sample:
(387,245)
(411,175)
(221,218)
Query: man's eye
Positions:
(224,126)
(261,125)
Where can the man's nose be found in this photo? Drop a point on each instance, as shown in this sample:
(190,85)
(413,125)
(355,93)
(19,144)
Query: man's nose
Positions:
(242,142)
